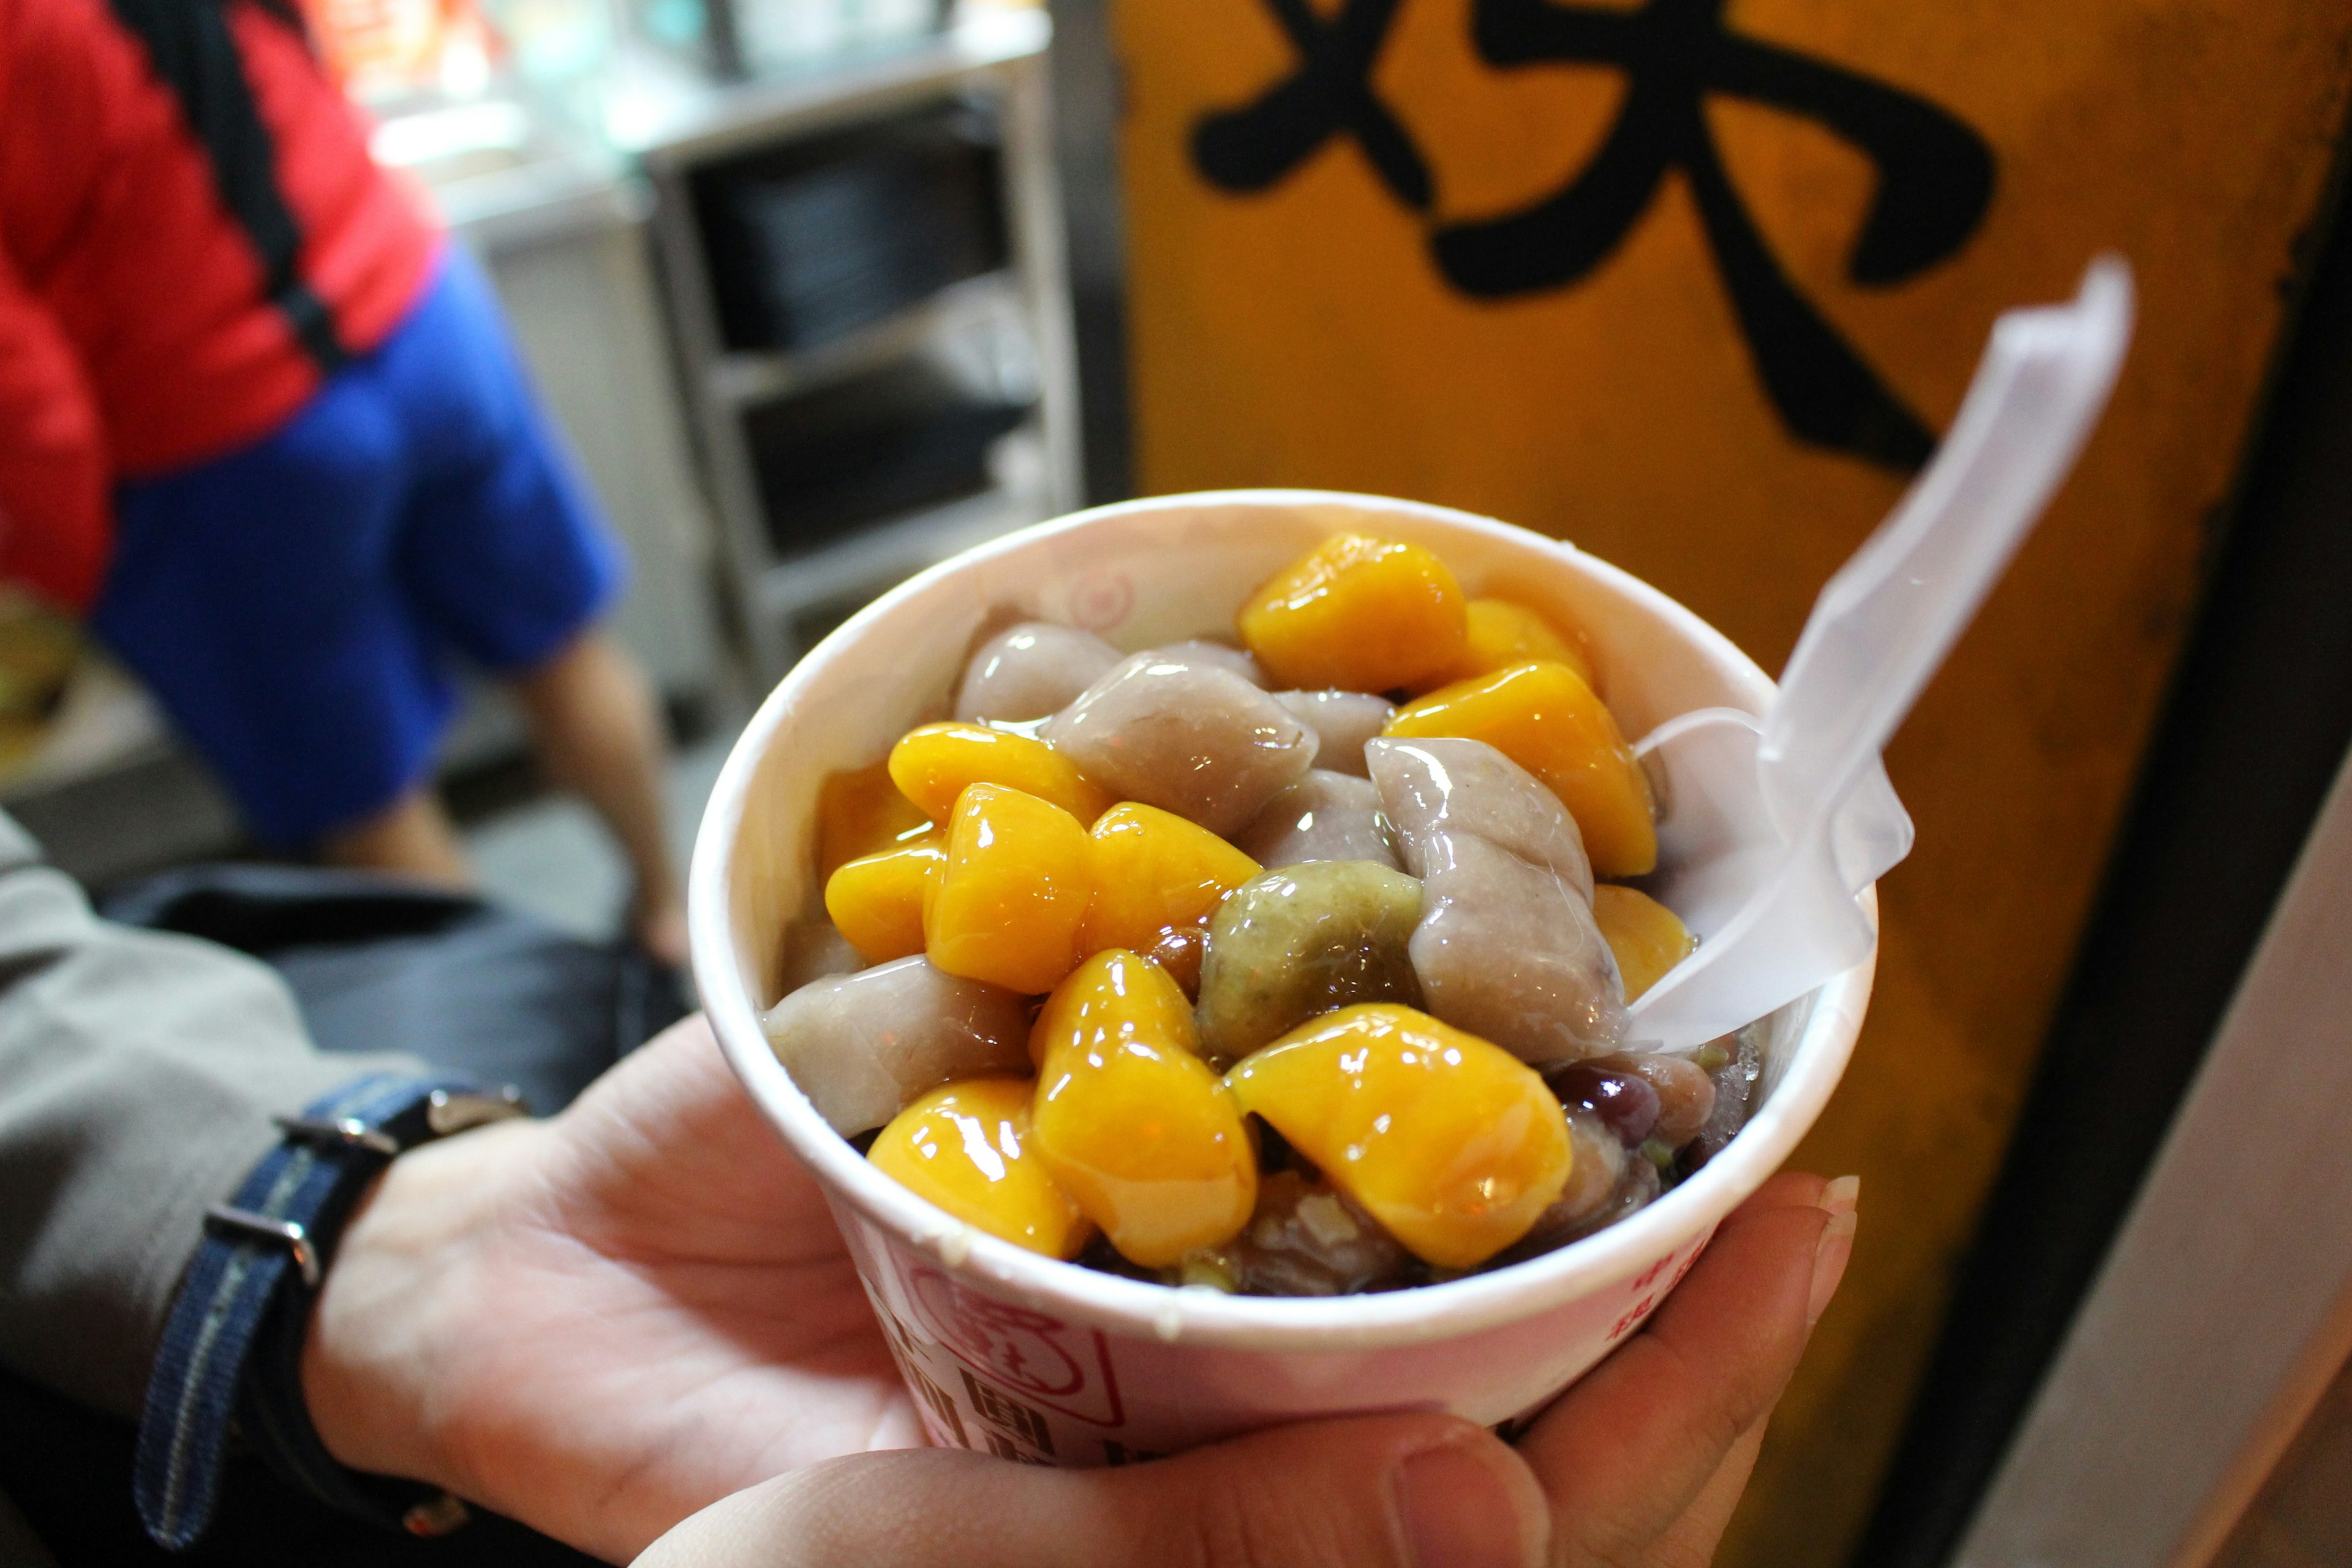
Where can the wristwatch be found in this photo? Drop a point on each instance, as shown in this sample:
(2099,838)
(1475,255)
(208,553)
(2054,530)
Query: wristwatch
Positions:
(230,1362)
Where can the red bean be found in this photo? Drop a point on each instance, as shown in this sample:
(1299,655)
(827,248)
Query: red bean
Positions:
(1621,1098)
(1685,1094)
(1178,952)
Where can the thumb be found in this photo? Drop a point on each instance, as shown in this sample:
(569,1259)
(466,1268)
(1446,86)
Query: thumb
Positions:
(1386,1491)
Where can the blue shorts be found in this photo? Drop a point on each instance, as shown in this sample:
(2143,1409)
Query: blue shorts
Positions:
(298,605)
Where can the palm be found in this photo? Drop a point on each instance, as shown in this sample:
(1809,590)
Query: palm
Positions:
(680,1317)
(603,1323)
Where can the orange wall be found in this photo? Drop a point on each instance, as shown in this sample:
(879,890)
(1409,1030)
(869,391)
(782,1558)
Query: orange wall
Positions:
(1302,335)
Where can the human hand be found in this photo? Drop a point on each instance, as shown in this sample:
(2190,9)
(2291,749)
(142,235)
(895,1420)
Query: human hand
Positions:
(599,1323)
(1640,1463)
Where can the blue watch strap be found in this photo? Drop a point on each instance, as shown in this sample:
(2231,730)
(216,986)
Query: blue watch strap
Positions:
(276,1229)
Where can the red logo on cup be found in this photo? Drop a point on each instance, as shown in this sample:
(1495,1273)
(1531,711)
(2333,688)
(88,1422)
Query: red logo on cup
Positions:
(1641,1311)
(1100,600)
(1060,1367)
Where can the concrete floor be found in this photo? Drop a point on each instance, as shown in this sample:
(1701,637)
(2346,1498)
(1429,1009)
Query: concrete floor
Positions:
(549,857)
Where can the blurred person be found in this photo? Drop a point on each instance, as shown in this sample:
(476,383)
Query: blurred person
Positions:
(264,427)
(636,1324)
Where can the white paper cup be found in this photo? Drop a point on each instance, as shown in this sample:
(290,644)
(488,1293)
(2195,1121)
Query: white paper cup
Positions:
(1050,1363)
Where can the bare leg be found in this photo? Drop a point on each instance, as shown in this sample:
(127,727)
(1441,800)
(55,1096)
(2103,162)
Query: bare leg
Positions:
(599,734)
(411,838)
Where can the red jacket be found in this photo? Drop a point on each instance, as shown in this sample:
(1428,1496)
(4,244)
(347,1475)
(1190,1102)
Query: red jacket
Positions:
(192,236)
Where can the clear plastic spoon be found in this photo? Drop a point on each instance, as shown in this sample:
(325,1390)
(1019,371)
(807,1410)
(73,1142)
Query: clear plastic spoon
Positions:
(1771,828)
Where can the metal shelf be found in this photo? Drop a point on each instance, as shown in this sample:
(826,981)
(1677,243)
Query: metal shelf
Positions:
(877,558)
(671,120)
(744,378)
(675,128)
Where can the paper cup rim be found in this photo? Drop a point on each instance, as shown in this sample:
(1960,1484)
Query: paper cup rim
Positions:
(1201,1316)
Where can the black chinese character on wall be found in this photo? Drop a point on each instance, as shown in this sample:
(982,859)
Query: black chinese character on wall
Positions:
(1935,178)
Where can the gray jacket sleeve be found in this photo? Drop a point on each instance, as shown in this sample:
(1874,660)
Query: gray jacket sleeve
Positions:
(138,1074)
